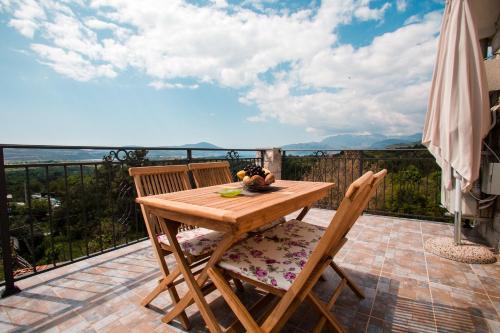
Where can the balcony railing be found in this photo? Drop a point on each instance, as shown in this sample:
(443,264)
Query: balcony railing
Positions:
(411,189)
(57,212)
(80,203)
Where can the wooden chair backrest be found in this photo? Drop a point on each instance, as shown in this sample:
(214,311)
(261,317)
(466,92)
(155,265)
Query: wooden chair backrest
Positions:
(211,173)
(375,182)
(153,180)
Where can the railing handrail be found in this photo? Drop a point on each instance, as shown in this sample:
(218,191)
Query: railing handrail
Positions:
(358,149)
(28,146)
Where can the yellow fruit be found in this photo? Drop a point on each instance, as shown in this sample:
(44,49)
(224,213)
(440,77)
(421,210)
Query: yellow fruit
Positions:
(266,171)
(270,179)
(258,180)
(247,180)
(241,174)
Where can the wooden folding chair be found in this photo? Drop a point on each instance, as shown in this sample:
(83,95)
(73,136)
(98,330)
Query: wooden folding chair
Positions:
(345,280)
(197,243)
(211,173)
(288,260)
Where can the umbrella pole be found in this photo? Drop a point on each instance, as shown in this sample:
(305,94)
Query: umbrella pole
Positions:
(458,209)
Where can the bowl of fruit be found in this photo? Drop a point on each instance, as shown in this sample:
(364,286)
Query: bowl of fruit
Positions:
(256,178)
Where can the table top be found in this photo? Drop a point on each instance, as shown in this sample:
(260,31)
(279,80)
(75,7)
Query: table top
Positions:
(241,212)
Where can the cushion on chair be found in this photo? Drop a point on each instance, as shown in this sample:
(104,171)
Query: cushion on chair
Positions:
(196,242)
(275,256)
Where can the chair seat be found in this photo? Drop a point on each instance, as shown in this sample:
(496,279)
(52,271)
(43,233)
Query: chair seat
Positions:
(196,242)
(276,256)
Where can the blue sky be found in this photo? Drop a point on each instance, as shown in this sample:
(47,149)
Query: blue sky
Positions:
(239,74)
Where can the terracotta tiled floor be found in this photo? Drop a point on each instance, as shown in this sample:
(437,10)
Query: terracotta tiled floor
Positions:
(407,289)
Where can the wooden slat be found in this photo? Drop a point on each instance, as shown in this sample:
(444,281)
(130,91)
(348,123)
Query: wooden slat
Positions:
(210,173)
(149,170)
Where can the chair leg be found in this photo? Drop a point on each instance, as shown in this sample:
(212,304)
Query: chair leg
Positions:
(195,290)
(350,283)
(314,300)
(183,318)
(319,326)
(233,301)
(239,285)
(166,284)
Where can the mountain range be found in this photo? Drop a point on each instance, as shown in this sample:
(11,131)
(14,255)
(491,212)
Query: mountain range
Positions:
(341,141)
(354,141)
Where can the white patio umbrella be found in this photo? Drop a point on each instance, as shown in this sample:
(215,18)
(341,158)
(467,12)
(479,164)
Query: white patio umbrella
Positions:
(458,116)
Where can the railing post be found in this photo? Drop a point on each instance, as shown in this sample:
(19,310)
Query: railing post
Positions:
(10,288)
(189,153)
(262,157)
(272,160)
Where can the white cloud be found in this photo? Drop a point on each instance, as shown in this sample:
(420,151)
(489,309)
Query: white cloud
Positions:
(325,86)
(26,18)
(378,88)
(365,13)
(96,24)
(220,3)
(71,64)
(413,19)
(401,5)
(158,85)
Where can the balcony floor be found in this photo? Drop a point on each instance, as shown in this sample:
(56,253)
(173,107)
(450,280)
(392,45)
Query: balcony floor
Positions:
(407,289)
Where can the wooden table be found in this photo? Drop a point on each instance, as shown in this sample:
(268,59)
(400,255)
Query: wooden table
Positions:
(203,207)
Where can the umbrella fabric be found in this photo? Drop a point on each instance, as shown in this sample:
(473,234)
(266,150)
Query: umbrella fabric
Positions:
(458,116)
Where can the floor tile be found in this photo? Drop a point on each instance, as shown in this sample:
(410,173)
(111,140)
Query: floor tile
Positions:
(362,260)
(466,302)
(437,229)
(376,248)
(451,321)
(376,325)
(452,273)
(355,231)
(354,322)
(374,235)
(406,226)
(405,302)
(489,275)
(406,240)
(405,263)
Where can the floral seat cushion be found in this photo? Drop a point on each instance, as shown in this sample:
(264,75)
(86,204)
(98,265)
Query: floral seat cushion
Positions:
(196,242)
(275,256)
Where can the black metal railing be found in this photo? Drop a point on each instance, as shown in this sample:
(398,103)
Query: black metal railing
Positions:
(61,204)
(411,188)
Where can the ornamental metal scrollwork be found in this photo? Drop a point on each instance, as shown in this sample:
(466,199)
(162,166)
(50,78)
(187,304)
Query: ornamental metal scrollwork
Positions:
(125,202)
(319,153)
(120,155)
(233,155)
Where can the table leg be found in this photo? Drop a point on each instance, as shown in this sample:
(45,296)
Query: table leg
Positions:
(303,213)
(195,286)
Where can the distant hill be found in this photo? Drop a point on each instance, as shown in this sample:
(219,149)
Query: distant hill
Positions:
(200,145)
(398,141)
(353,141)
